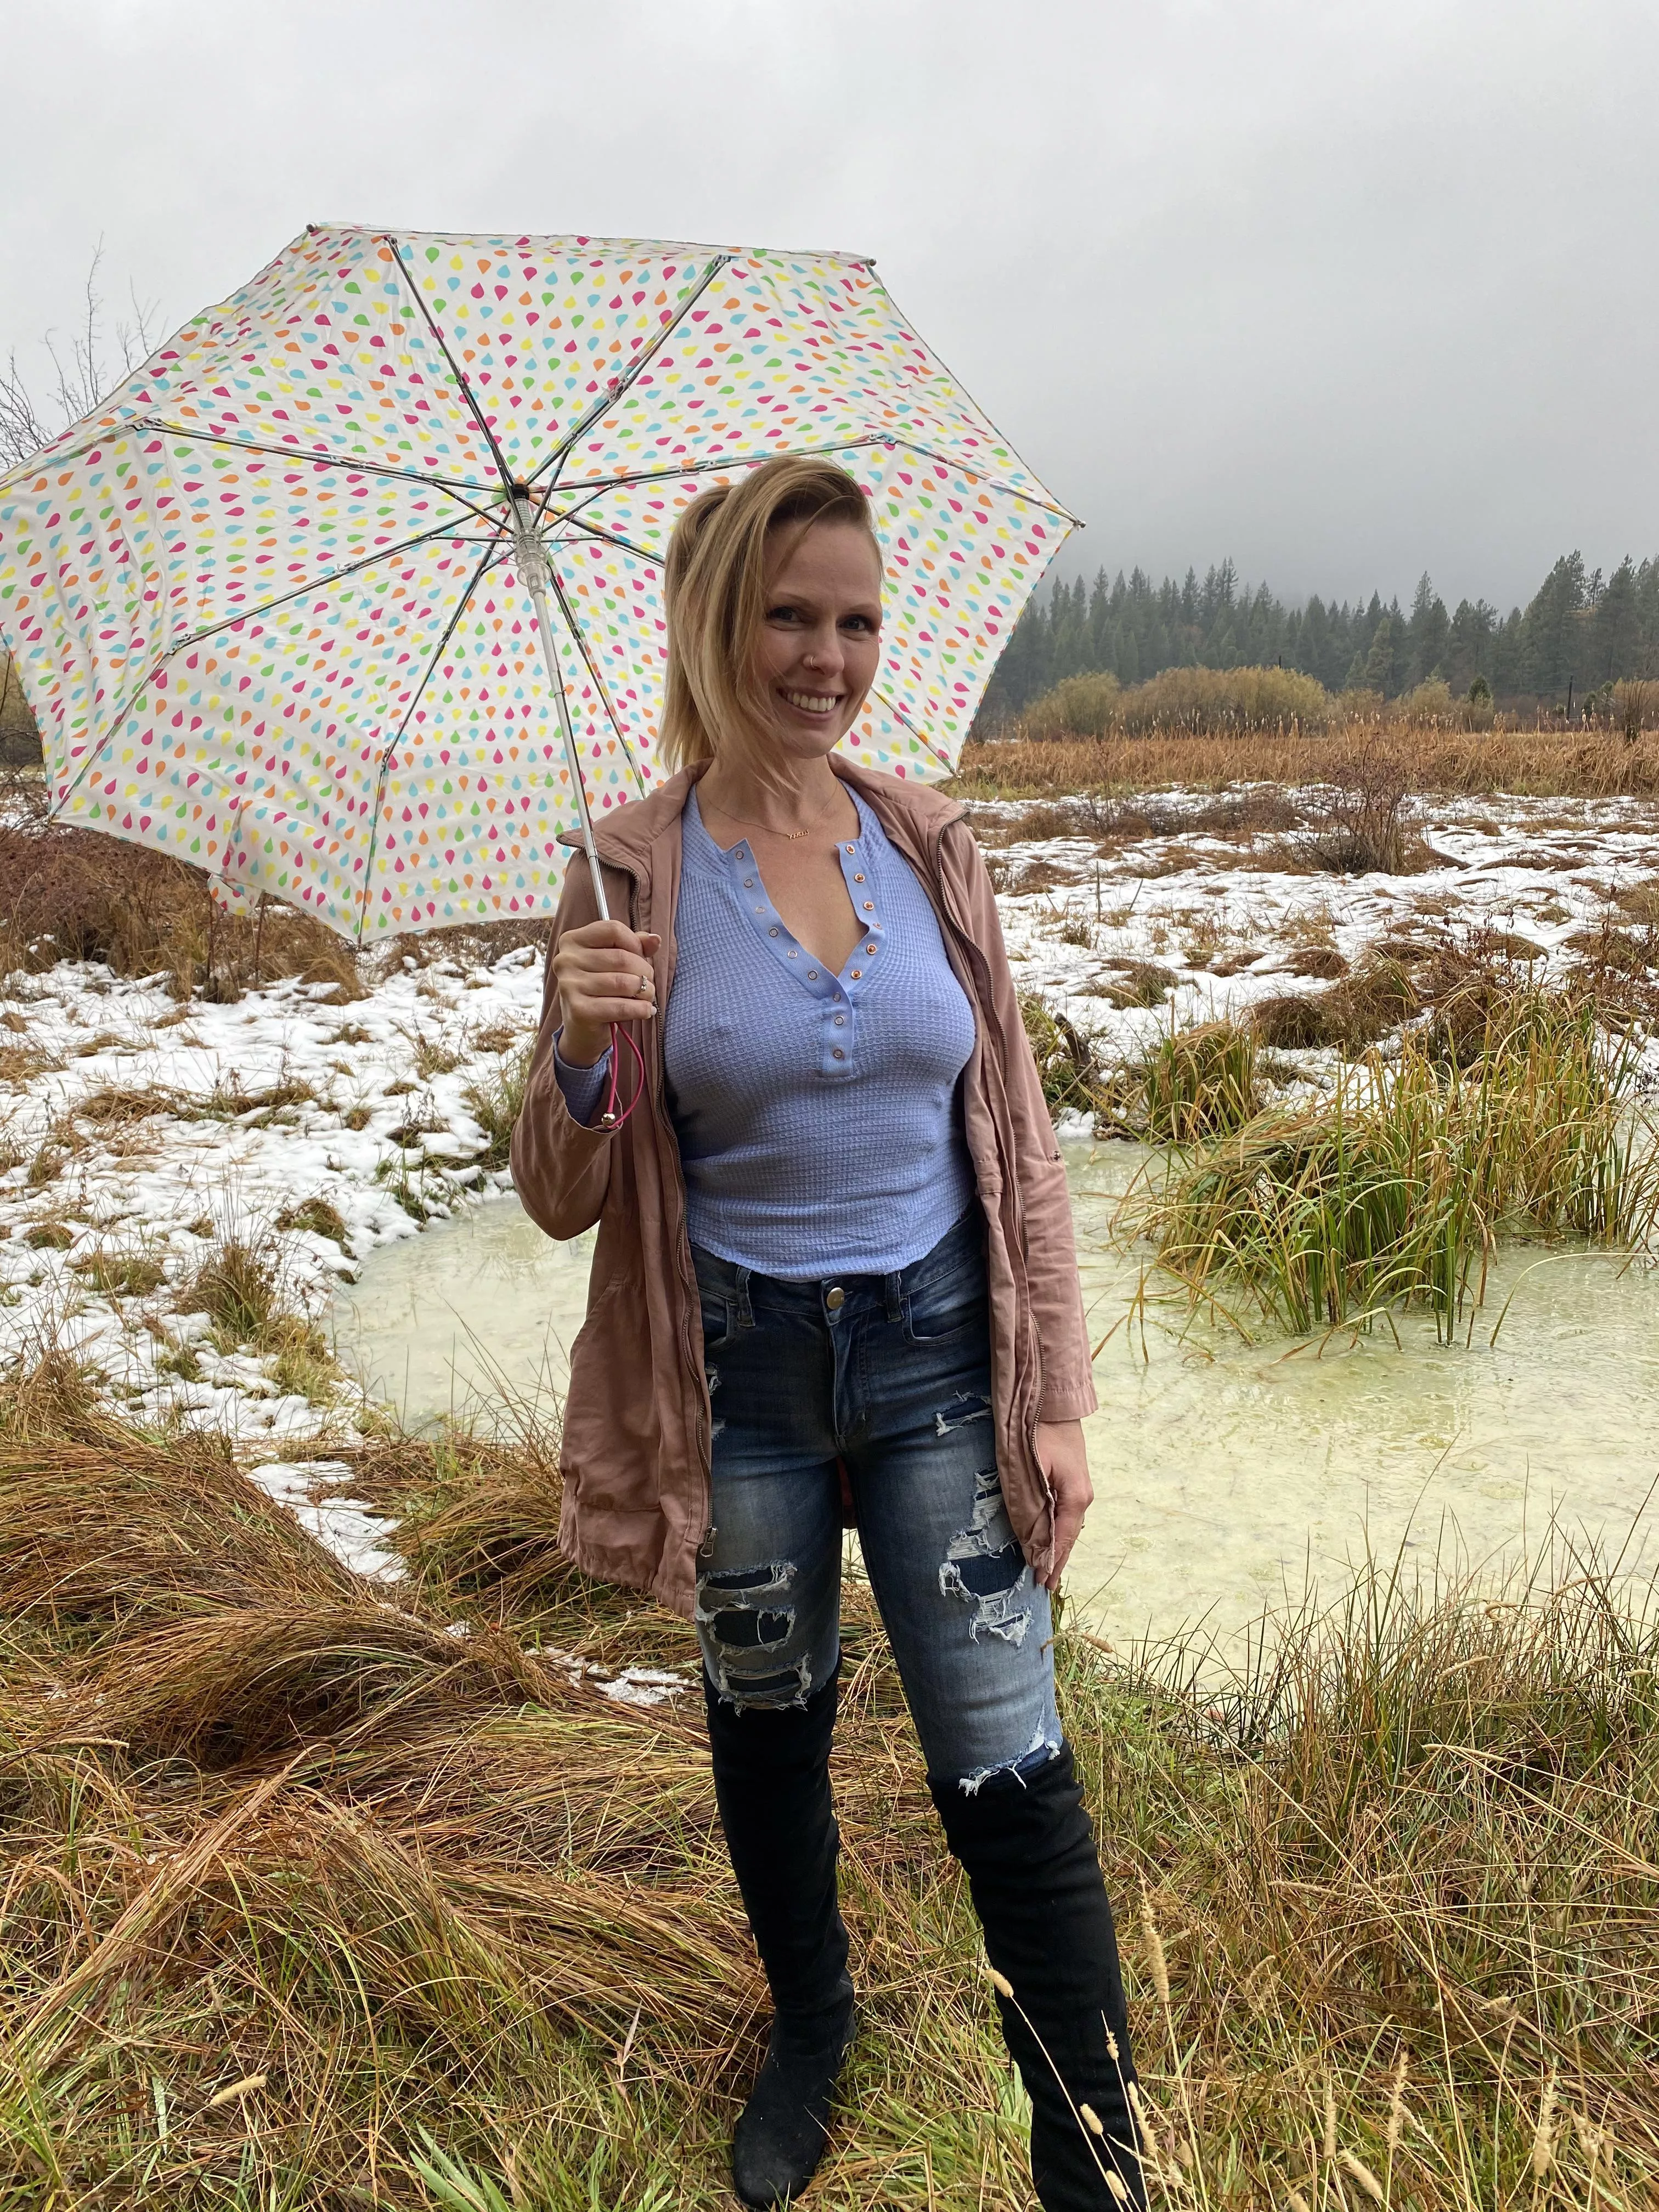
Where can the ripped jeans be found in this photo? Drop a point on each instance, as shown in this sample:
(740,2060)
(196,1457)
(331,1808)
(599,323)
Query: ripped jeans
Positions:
(890,1376)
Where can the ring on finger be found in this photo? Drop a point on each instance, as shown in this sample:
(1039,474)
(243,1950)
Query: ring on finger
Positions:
(644,990)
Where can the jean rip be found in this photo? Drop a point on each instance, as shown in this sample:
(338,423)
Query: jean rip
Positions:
(984,1565)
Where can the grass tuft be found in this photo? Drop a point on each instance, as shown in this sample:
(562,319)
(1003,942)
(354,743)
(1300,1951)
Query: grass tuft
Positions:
(1394,1191)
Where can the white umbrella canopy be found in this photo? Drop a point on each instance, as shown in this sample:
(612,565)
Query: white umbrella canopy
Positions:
(278,604)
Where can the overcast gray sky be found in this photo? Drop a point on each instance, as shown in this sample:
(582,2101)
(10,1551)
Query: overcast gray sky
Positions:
(1344,291)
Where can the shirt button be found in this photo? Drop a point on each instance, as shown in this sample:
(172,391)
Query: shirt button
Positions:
(835,1298)
(849,848)
(794,955)
(749,883)
(841,1021)
(837,1053)
(812,974)
(771,933)
(857,972)
(869,948)
(858,879)
(869,907)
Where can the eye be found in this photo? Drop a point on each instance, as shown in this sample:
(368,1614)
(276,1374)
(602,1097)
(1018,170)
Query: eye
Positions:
(783,614)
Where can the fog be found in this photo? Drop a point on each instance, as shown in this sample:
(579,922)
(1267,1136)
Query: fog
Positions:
(1344,293)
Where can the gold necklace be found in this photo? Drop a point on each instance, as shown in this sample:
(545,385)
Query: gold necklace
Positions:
(791,837)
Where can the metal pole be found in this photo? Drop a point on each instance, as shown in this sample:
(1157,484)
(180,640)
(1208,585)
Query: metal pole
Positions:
(531,561)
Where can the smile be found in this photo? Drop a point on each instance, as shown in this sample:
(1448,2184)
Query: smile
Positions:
(814,702)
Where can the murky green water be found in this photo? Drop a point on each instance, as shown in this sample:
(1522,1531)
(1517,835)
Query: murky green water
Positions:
(1224,1474)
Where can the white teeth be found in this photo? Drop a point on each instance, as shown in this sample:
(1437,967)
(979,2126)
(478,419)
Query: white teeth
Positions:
(812,702)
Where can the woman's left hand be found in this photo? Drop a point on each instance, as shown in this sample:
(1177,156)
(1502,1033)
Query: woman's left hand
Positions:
(1064,1460)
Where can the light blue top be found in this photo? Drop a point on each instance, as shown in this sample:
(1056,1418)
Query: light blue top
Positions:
(818,1114)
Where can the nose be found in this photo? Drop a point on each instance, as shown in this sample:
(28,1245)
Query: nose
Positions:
(823,651)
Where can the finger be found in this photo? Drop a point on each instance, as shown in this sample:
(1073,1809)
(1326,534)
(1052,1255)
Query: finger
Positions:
(600,933)
(599,1013)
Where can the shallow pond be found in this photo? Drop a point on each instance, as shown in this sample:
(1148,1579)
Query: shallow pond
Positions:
(1225,1474)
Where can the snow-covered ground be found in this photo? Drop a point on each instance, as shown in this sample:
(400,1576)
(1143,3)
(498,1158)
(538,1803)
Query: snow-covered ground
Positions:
(1230,922)
(140,1131)
(142,1137)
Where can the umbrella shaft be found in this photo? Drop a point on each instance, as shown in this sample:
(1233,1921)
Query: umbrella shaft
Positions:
(532,572)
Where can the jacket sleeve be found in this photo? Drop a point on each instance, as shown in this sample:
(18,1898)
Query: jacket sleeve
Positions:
(1056,1294)
(560,1167)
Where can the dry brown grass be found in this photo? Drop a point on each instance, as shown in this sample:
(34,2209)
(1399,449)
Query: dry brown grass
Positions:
(68,893)
(1540,763)
(297,1882)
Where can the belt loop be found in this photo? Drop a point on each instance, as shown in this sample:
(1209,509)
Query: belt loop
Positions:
(890,1285)
(745,1318)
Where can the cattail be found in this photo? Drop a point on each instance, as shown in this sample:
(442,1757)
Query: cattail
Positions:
(1114,2182)
(1330,2120)
(1151,2153)
(236,2091)
(1397,2106)
(1543,2135)
(1353,2164)
(1000,1984)
(1591,2140)
(1111,2046)
(1298,2202)
(1091,2119)
(1155,1960)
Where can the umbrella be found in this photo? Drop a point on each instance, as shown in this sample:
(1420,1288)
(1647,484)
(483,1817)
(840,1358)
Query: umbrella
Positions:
(352,594)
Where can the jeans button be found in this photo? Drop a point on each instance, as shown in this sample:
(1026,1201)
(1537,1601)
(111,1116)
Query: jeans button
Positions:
(834,1298)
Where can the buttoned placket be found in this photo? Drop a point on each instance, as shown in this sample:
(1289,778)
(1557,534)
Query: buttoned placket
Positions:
(838,995)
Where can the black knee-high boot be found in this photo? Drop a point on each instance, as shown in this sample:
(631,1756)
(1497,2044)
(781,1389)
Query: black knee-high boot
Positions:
(1029,1853)
(772,1783)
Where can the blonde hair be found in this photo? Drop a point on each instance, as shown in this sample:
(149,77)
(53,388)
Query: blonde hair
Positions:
(714,592)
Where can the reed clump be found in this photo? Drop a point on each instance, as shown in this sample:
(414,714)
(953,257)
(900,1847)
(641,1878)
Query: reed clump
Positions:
(1542,763)
(1192,1085)
(1393,1191)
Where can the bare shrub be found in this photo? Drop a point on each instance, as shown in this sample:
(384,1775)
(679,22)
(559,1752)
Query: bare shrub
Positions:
(1360,827)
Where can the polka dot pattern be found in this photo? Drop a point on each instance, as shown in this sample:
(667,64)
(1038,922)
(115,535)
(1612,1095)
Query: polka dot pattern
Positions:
(264,601)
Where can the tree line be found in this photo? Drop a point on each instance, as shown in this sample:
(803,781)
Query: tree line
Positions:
(1581,629)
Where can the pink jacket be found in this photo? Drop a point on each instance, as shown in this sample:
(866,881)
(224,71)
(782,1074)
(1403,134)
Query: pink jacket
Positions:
(634,1454)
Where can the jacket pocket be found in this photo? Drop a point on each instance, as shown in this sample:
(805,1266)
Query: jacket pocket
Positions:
(610,1447)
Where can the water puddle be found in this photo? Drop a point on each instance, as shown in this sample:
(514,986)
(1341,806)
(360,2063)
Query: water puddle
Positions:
(1224,1474)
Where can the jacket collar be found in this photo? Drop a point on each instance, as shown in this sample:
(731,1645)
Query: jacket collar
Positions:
(625,835)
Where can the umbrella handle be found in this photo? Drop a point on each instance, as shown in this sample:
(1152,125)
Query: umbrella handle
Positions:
(612,1118)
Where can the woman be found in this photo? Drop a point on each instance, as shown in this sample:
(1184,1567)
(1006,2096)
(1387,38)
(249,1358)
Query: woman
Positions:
(834,1249)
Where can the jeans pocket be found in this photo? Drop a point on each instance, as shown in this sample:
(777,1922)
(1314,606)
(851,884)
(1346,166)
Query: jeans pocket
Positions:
(719,1320)
(947,1308)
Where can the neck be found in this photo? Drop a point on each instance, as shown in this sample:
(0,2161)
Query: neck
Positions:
(791,796)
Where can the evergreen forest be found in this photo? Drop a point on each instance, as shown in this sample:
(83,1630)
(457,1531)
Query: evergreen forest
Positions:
(1581,630)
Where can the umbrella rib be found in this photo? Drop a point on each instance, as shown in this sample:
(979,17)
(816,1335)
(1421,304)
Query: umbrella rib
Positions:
(920,736)
(593,491)
(390,752)
(614,393)
(466,391)
(623,738)
(321,461)
(889,439)
(212,630)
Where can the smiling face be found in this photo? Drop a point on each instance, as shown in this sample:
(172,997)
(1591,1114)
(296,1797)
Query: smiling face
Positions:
(820,636)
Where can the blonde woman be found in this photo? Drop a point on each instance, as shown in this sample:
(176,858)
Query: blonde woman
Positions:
(834,1253)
